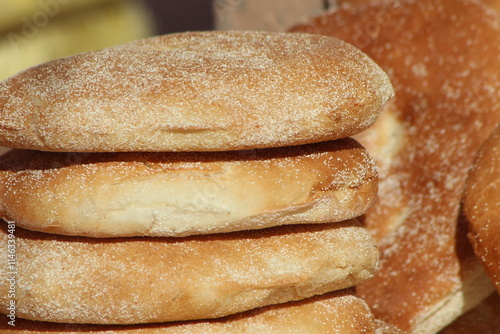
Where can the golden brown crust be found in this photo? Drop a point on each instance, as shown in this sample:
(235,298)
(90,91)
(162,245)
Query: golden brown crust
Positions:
(482,206)
(443,110)
(198,91)
(146,280)
(180,194)
(338,312)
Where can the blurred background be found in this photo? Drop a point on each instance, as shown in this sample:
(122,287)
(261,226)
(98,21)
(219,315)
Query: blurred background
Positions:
(175,15)
(35,31)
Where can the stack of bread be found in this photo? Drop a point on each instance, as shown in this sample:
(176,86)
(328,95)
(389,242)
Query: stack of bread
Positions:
(188,177)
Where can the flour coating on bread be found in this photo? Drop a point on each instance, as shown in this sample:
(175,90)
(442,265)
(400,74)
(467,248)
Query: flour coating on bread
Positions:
(145,280)
(199,91)
(179,194)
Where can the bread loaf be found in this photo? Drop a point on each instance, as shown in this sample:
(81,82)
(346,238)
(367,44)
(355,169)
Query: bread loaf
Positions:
(198,91)
(147,280)
(180,194)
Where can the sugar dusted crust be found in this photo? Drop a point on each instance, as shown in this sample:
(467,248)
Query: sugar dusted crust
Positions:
(148,280)
(197,91)
(180,194)
(382,327)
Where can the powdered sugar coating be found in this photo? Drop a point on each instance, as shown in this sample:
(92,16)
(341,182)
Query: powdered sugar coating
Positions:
(147,280)
(198,91)
(185,193)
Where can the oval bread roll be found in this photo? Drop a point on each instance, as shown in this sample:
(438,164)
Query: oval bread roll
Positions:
(146,280)
(339,312)
(198,91)
(179,194)
(482,206)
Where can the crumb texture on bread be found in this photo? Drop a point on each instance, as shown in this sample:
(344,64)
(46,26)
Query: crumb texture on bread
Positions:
(483,319)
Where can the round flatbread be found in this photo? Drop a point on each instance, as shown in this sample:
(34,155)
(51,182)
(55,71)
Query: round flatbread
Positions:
(196,91)
(180,194)
(147,280)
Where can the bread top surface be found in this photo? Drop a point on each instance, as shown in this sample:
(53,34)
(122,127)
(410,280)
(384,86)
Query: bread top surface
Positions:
(180,194)
(335,312)
(195,91)
(482,206)
(443,59)
(146,280)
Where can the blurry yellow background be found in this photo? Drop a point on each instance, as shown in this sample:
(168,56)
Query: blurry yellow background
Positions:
(36,31)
